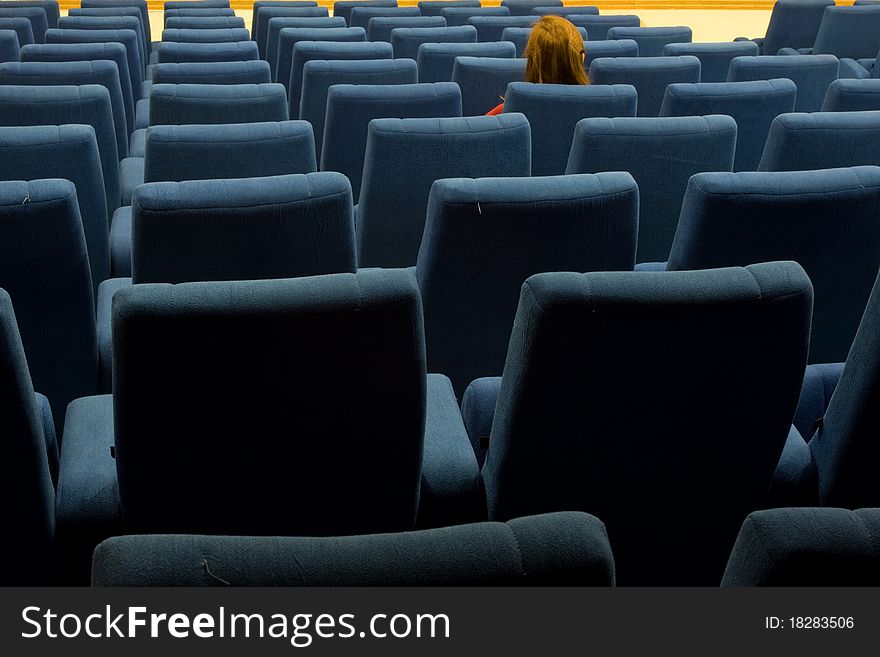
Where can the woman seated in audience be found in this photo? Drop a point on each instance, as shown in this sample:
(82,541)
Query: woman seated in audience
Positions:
(554,55)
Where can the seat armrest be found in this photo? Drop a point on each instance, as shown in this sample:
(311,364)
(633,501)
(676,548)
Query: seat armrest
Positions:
(137,144)
(451,490)
(142,114)
(106,290)
(478,412)
(87,499)
(820,380)
(651,266)
(131,174)
(850,69)
(792,51)
(795,481)
(48,423)
(120,243)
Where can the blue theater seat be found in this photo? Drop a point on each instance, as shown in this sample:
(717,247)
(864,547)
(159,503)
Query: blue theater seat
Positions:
(381,29)
(204,4)
(852,32)
(404,158)
(436,60)
(320,75)
(649,75)
(483,238)
(288,37)
(203,11)
(459,15)
(10,51)
(170,52)
(793,24)
(344,7)
(350,108)
(35,15)
(29,514)
(203,22)
(127,38)
(113,12)
(491,28)
(21,27)
(51,7)
(260,4)
(852,96)
(406,41)
(49,282)
(484,80)
(548,9)
(811,74)
(661,153)
(553,111)
(109,23)
(141,5)
(361,16)
(525,7)
(608,48)
(246,72)
(682,364)
(265,14)
(652,40)
(436,7)
(753,105)
(597,26)
(559,549)
(714,58)
(225,35)
(274,53)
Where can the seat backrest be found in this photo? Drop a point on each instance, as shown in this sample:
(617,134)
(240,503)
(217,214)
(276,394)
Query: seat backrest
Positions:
(405,41)
(380,29)
(35,15)
(288,37)
(849,32)
(714,58)
(436,7)
(344,7)
(265,14)
(350,108)
(284,357)
(250,72)
(661,153)
(100,72)
(259,4)
(609,48)
(649,75)
(45,269)
(140,4)
(652,40)
(753,105)
(519,36)
(361,16)
(320,75)
(811,74)
(459,15)
(305,51)
(822,140)
(806,547)
(483,238)
(223,35)
(436,60)
(490,28)
(259,228)
(403,159)
(276,54)
(127,38)
(26,484)
(21,26)
(525,7)
(59,105)
(560,549)
(235,150)
(51,7)
(109,23)
(178,104)
(185,53)
(597,26)
(86,52)
(203,22)
(132,11)
(794,24)
(560,10)
(825,220)
(852,96)
(70,152)
(553,111)
(484,80)
(844,446)
(201,11)
(205,4)
(581,422)
(10,51)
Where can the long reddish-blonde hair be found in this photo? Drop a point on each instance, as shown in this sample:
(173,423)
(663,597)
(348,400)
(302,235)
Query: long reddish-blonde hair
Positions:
(555,53)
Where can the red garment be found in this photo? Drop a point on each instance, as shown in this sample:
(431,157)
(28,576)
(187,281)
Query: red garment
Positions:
(496,110)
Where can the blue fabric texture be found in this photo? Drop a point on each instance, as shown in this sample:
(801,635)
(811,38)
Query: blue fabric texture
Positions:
(203,22)
(140,4)
(45,269)
(381,29)
(806,547)
(649,75)
(820,380)
(26,484)
(225,35)
(609,48)
(811,74)
(436,60)
(849,32)
(825,220)
(822,140)
(852,96)
(350,108)
(582,371)
(249,72)
(51,7)
(134,12)
(264,14)
(558,549)
(793,24)
(171,52)
(661,153)
(484,80)
(436,7)
(405,41)
(483,238)
(36,16)
(753,105)
(108,23)
(127,38)
(551,9)
(320,75)
(597,26)
(405,156)
(259,4)
(361,16)
(21,26)
(343,7)
(274,53)
(178,104)
(478,412)
(652,40)
(525,7)
(304,51)
(459,15)
(490,28)
(288,37)
(553,111)
(714,58)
